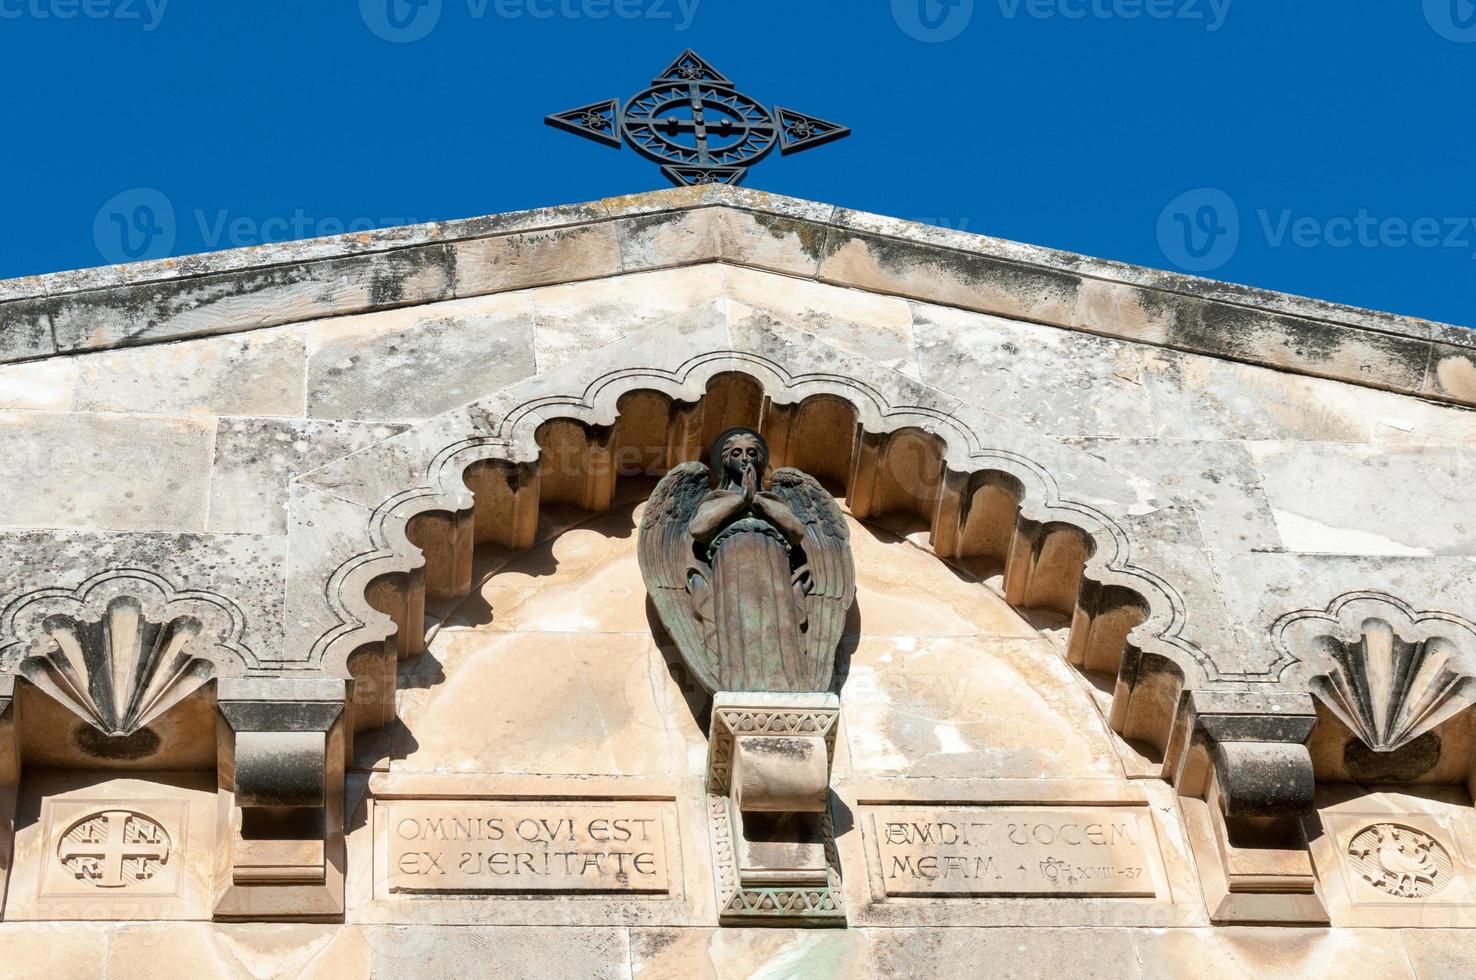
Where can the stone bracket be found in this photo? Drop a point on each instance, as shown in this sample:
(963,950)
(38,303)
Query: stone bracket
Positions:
(281,798)
(1245,780)
(10,771)
(769,760)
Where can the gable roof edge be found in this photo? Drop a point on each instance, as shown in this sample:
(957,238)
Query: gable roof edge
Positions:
(248,288)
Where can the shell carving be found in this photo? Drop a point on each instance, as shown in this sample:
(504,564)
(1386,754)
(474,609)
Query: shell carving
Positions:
(122,671)
(1389,690)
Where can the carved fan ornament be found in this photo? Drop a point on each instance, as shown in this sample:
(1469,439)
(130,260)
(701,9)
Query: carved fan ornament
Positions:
(123,648)
(1390,691)
(1387,672)
(123,671)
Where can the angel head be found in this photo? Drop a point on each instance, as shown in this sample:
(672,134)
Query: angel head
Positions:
(737,452)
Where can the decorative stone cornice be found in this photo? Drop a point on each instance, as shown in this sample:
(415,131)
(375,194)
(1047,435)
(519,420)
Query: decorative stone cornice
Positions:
(245,289)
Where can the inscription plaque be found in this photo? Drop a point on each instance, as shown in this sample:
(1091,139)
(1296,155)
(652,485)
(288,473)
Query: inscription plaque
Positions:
(989,850)
(491,846)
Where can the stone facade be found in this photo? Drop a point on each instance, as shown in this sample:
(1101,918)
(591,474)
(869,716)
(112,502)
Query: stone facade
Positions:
(325,649)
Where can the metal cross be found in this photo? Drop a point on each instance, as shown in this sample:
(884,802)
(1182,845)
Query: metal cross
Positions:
(113,849)
(695,124)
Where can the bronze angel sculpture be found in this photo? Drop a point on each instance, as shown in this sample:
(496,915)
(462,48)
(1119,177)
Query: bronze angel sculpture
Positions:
(753,585)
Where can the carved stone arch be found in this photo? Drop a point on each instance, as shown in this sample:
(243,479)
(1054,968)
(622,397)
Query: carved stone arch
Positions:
(1069,554)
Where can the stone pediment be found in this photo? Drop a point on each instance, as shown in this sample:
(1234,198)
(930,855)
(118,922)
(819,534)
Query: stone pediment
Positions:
(1127,469)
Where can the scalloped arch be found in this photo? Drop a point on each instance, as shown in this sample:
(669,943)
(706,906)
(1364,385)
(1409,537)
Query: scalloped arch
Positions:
(1126,619)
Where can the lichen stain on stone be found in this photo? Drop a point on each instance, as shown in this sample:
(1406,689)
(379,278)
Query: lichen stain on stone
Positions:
(1204,326)
(1032,290)
(811,236)
(682,197)
(648,222)
(1314,341)
(386,290)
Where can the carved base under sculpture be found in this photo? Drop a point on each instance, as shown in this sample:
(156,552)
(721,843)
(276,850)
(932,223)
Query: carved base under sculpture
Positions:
(768,789)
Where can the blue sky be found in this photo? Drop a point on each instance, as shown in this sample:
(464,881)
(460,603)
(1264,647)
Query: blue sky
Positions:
(1321,147)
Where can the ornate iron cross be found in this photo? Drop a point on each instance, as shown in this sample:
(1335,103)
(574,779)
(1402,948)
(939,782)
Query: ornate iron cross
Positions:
(695,124)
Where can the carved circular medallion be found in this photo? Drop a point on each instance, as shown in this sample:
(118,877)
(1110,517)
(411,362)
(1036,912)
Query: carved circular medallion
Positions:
(113,848)
(1401,861)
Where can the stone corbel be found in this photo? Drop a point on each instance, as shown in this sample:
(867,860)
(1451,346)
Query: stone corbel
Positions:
(1244,777)
(281,798)
(10,769)
(768,793)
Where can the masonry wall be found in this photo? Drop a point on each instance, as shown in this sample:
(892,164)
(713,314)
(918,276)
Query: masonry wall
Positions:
(190,444)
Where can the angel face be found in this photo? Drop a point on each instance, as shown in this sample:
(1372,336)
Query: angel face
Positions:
(742,452)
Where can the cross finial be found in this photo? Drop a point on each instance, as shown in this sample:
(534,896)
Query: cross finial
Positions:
(697,125)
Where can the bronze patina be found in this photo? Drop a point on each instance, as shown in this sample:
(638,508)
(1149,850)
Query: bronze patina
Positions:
(753,584)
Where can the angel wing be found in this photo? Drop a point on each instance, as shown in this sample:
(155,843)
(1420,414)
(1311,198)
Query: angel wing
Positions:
(665,552)
(832,572)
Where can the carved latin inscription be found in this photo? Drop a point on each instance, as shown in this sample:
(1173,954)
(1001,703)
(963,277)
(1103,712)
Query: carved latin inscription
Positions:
(481,846)
(964,851)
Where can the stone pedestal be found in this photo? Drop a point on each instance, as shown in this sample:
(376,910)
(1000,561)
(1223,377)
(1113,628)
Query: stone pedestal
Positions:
(768,802)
